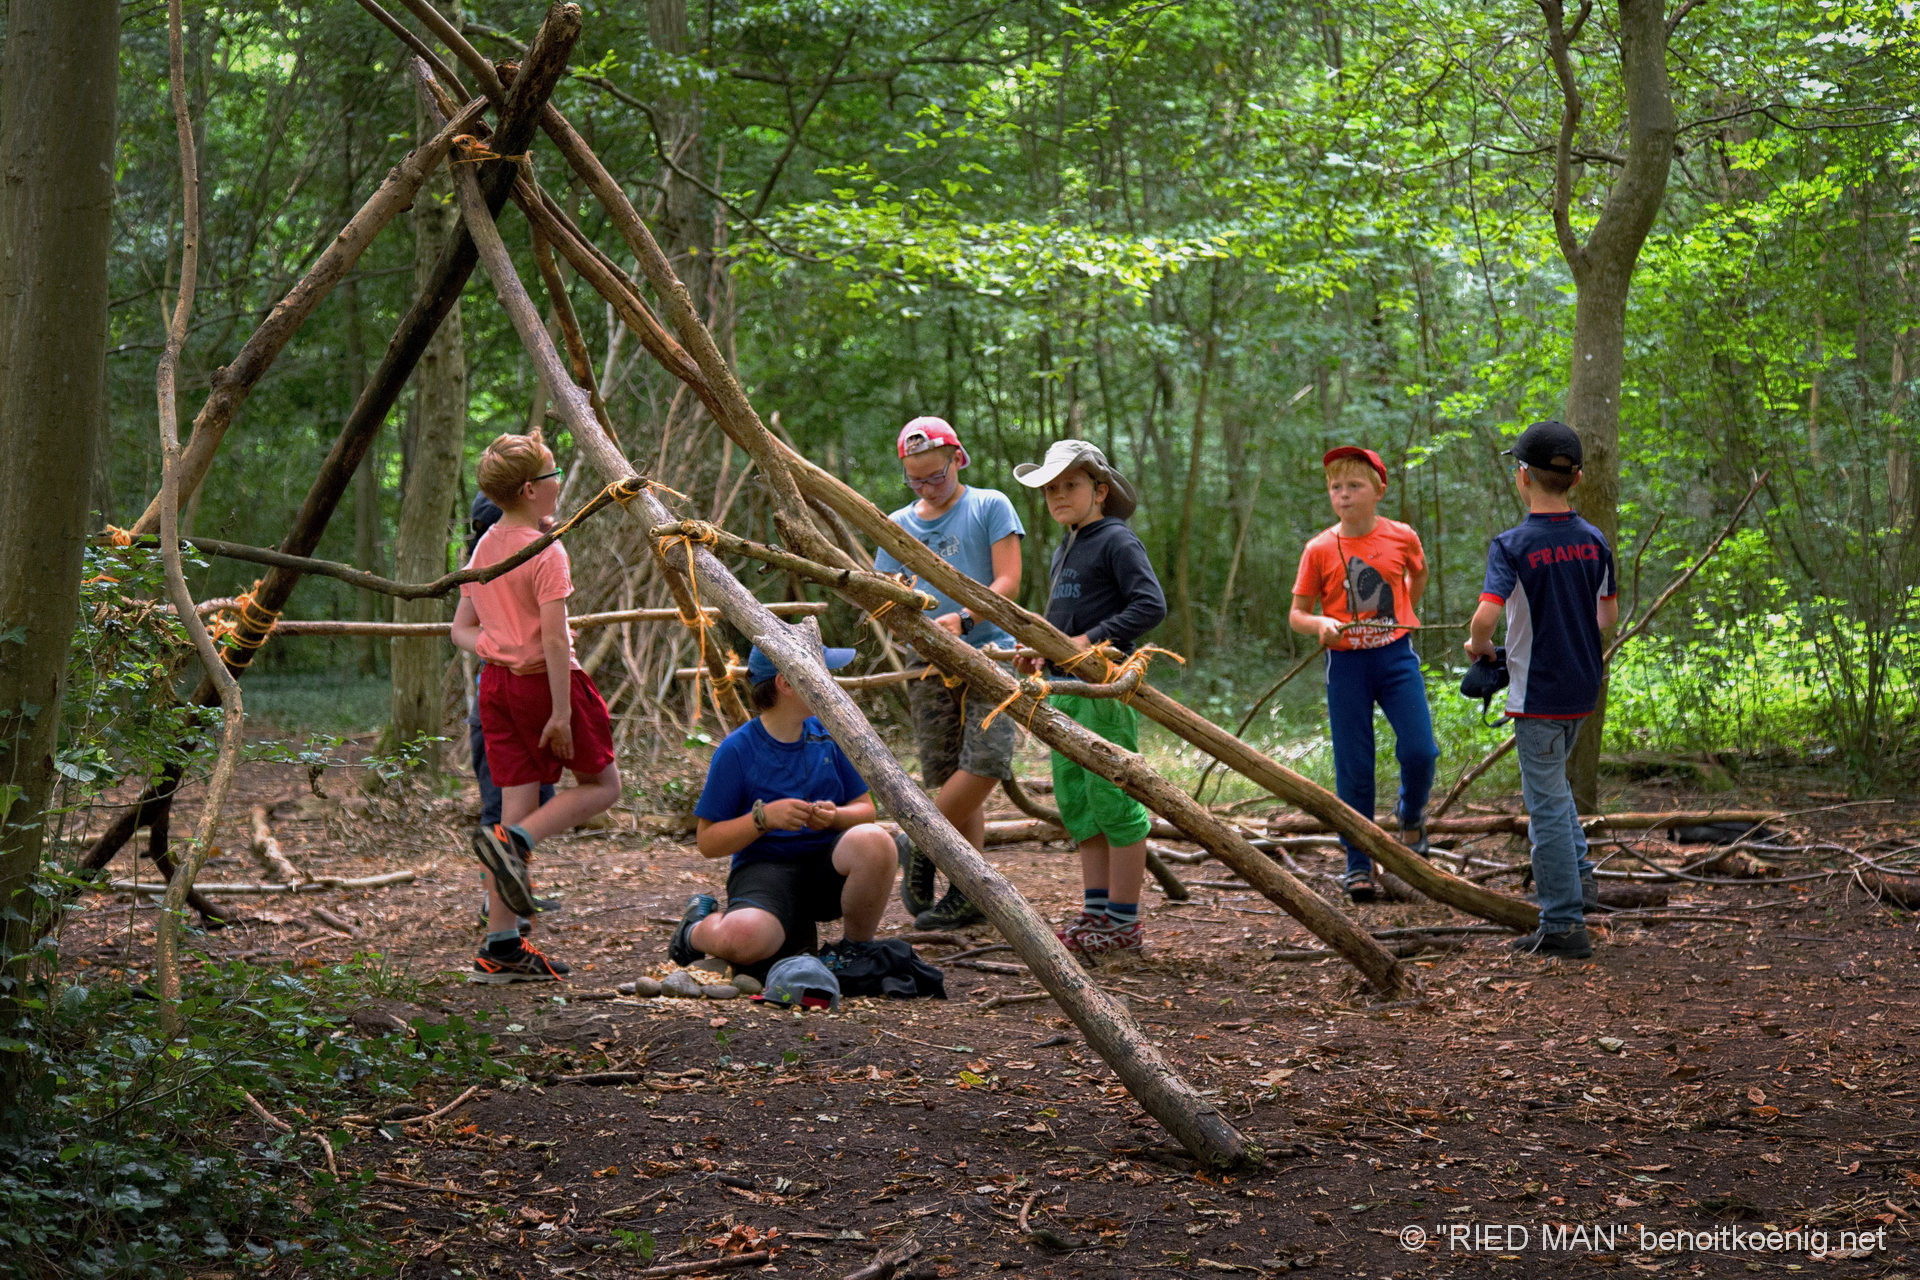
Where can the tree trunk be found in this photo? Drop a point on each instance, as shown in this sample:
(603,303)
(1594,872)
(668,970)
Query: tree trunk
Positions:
(432,481)
(368,606)
(684,225)
(58,90)
(1183,546)
(1603,273)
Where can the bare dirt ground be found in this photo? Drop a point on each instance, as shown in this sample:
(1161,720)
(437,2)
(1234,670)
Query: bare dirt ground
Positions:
(1750,1071)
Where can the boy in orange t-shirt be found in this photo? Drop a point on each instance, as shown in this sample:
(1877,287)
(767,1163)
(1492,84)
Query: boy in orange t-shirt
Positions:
(539,711)
(1355,593)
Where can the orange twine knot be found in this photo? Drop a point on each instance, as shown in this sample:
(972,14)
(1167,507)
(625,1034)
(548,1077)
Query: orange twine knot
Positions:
(117,536)
(1033,685)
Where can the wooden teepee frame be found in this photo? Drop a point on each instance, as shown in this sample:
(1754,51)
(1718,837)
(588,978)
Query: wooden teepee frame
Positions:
(810,506)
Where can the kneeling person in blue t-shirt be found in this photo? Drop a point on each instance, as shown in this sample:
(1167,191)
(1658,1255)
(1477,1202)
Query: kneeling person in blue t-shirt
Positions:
(784,802)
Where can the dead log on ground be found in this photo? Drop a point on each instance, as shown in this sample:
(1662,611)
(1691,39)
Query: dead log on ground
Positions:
(266,850)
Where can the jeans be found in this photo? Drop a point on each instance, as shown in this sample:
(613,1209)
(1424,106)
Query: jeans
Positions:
(1390,676)
(1559,845)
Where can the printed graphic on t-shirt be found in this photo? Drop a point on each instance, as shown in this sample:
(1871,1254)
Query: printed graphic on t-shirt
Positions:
(944,545)
(1068,587)
(1369,596)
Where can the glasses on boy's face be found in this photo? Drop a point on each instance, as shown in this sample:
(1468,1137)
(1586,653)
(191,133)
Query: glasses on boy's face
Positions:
(928,482)
(546,475)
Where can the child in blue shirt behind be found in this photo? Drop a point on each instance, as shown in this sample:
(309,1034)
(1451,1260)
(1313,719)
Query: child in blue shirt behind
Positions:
(784,803)
(1553,578)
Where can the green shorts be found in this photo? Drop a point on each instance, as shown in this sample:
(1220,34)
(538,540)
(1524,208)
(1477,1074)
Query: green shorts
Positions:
(1089,804)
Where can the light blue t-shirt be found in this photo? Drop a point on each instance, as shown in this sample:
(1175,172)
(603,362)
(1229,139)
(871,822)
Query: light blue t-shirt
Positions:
(964,538)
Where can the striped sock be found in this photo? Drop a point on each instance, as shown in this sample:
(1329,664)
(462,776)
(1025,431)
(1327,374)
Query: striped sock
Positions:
(1122,914)
(1094,903)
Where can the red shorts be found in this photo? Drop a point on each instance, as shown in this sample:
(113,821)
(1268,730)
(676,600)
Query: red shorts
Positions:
(513,713)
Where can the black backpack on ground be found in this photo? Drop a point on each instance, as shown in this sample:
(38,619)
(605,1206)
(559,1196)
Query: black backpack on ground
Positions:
(887,967)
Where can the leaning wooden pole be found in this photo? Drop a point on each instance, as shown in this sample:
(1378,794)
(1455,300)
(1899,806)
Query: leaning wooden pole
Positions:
(1036,633)
(792,480)
(721,392)
(1196,1123)
(542,71)
(545,64)
(234,382)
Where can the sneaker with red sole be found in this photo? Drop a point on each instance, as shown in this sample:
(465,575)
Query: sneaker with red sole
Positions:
(526,963)
(1072,936)
(1114,940)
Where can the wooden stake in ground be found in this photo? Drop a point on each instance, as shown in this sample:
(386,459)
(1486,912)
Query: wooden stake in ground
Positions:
(166,942)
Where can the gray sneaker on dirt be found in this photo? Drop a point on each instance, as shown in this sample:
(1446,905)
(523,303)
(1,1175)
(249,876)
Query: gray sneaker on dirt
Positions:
(916,875)
(499,851)
(1573,944)
(951,912)
(681,950)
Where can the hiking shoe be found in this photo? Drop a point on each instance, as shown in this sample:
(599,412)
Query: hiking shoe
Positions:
(951,912)
(681,950)
(499,851)
(1114,940)
(1589,895)
(524,963)
(1359,886)
(916,876)
(1074,934)
(1415,837)
(1572,944)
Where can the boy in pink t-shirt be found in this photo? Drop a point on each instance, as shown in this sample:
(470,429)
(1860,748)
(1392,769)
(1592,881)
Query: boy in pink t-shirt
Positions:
(539,712)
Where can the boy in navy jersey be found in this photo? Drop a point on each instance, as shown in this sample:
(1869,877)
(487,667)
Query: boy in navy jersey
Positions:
(1553,578)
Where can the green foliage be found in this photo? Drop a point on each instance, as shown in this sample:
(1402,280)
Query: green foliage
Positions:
(1050,219)
(116,1161)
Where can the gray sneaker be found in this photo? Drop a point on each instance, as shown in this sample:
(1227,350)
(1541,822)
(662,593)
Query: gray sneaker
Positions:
(916,876)
(1572,944)
(952,912)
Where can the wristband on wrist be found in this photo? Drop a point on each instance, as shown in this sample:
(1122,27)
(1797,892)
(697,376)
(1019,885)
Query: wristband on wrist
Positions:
(760,815)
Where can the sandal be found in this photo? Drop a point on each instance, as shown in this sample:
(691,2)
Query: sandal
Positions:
(1359,886)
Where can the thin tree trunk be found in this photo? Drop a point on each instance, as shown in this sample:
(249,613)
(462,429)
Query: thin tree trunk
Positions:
(432,480)
(368,606)
(58,90)
(1183,546)
(1602,270)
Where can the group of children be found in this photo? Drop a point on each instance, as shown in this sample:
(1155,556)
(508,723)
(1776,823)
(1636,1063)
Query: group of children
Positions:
(784,804)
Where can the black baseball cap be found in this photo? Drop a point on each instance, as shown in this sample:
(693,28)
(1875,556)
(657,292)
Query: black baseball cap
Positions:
(1542,442)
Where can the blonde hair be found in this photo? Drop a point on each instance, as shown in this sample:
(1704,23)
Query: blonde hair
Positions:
(1350,466)
(511,461)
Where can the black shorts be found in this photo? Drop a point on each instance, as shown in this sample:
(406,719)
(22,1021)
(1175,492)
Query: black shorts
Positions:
(799,892)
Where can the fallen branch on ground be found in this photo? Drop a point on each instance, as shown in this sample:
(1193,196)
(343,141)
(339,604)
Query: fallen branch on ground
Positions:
(319,885)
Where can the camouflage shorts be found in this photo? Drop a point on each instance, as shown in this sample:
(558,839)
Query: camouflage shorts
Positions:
(948,740)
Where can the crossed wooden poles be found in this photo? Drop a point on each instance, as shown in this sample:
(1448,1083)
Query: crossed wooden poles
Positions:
(812,511)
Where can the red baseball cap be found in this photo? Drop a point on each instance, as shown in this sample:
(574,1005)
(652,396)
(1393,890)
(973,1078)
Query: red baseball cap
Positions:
(1367,456)
(929,432)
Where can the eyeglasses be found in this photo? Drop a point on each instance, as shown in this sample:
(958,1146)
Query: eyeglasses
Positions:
(546,475)
(925,482)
